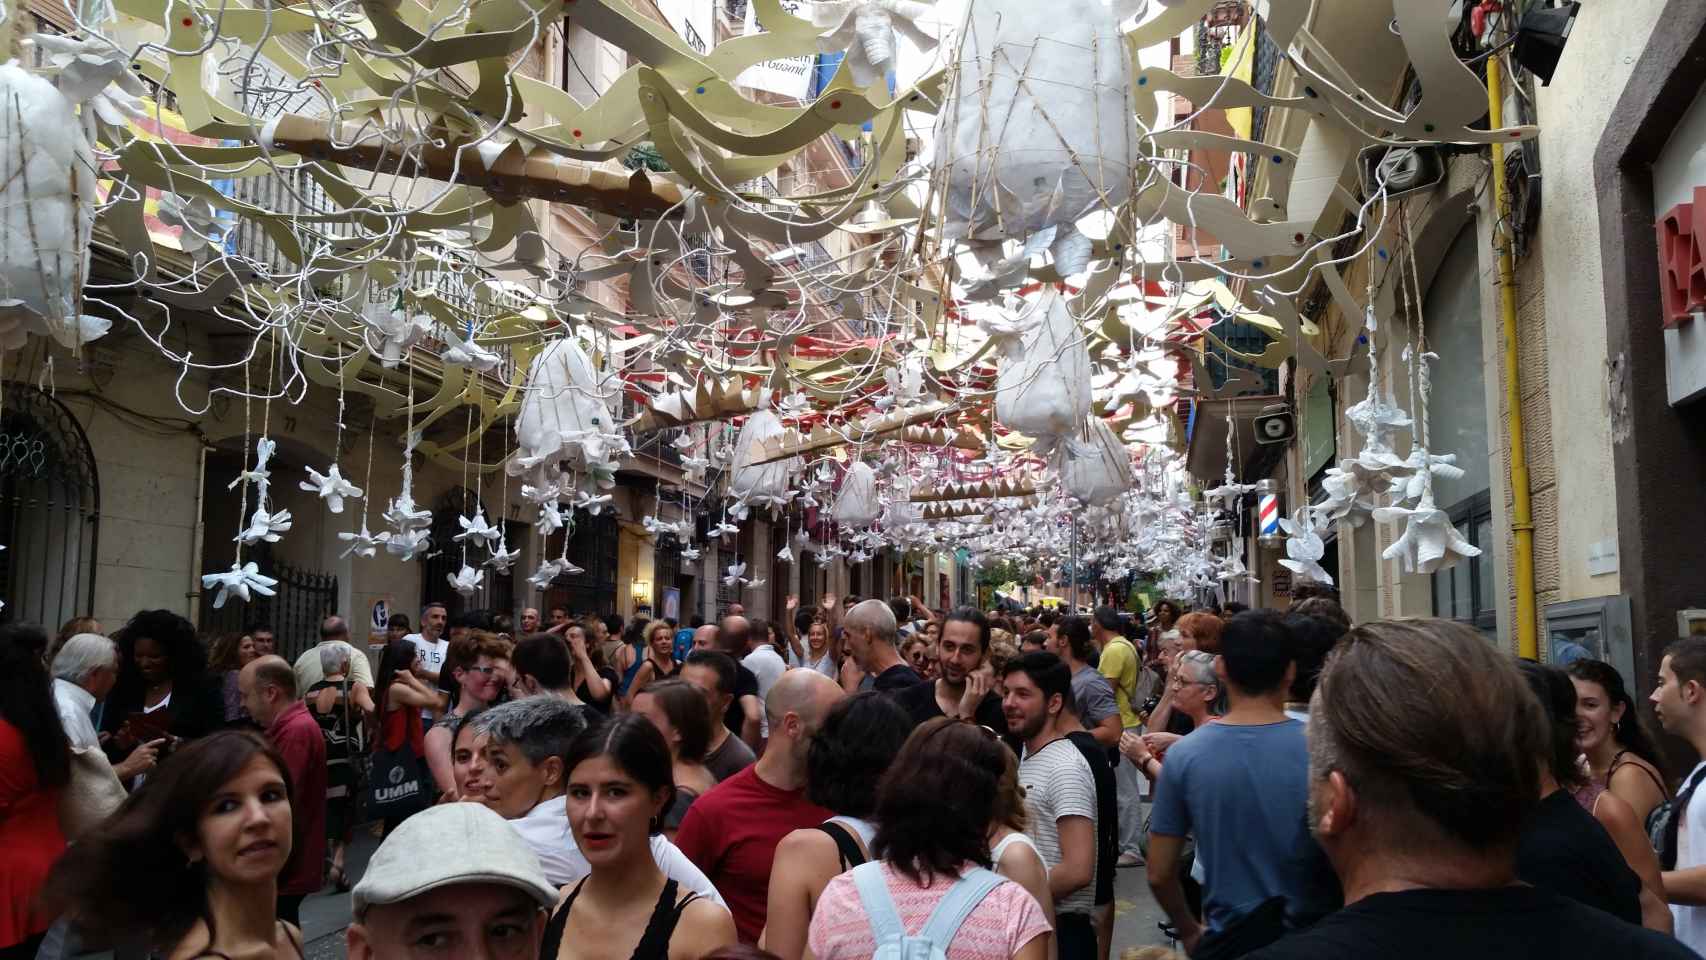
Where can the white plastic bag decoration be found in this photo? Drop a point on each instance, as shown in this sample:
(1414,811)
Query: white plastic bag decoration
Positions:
(47,213)
(239,580)
(566,414)
(1430,541)
(1097,470)
(1043,387)
(1038,128)
(857,504)
(759,483)
(1304,548)
(331,487)
(363,544)
(865,29)
(465,581)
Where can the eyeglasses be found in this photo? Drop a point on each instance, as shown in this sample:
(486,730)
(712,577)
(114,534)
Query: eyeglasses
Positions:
(990,731)
(488,671)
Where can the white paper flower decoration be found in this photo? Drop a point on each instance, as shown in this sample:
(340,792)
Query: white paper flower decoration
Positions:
(476,529)
(1304,549)
(466,581)
(547,572)
(331,487)
(239,581)
(502,557)
(404,544)
(264,526)
(363,544)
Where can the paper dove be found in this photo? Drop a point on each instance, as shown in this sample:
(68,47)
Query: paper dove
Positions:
(785,555)
(591,504)
(258,473)
(723,530)
(466,580)
(404,515)
(734,572)
(240,581)
(264,526)
(477,530)
(331,486)
(793,405)
(1430,541)
(404,544)
(682,441)
(397,331)
(550,519)
(739,510)
(363,544)
(754,584)
(467,353)
(502,558)
(1304,549)
(547,572)
(690,554)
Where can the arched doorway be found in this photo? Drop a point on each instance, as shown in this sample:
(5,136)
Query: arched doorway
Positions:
(50,510)
(444,558)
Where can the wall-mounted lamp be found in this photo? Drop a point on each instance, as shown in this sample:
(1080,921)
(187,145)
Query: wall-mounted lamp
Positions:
(641,592)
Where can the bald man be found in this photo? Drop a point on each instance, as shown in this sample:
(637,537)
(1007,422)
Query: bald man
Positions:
(334,631)
(731,832)
(871,636)
(268,687)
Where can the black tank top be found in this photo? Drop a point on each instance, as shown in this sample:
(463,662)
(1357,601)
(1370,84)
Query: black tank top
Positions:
(654,942)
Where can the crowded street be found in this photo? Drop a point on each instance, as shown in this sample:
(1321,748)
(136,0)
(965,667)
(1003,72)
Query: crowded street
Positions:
(852,479)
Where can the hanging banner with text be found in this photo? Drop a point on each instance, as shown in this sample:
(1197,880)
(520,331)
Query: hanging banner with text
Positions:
(790,76)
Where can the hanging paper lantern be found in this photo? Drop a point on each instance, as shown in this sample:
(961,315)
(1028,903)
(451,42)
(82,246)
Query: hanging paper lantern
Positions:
(1043,388)
(857,504)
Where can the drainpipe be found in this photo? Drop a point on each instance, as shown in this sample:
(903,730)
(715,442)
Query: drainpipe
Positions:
(197,537)
(1522,511)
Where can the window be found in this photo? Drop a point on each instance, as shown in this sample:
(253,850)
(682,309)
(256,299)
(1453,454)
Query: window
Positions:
(1465,592)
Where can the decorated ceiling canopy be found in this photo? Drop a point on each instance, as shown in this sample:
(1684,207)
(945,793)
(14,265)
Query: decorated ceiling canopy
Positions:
(991,360)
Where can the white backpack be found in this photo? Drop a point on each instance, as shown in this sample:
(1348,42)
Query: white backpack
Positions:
(931,942)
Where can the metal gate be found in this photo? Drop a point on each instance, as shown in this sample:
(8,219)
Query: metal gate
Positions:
(301,600)
(444,558)
(592,547)
(50,510)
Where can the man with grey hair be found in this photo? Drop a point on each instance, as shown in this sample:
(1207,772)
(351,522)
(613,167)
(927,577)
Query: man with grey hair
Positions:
(334,632)
(84,671)
(527,740)
(871,635)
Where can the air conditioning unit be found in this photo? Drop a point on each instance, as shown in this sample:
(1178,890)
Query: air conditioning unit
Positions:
(1404,170)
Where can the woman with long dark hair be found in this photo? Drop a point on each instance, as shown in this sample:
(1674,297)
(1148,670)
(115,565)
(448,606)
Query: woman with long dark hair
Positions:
(1613,869)
(228,655)
(620,786)
(682,715)
(935,808)
(35,766)
(189,866)
(400,698)
(163,688)
(1622,756)
(848,755)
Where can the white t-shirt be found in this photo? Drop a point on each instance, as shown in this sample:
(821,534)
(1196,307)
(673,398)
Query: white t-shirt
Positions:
(1690,922)
(767,665)
(1058,783)
(432,658)
(545,829)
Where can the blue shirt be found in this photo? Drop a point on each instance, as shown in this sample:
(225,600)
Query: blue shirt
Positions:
(1243,791)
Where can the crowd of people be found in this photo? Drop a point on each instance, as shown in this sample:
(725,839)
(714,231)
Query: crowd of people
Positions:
(872,778)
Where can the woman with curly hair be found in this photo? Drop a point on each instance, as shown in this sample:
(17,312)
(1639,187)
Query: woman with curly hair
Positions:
(849,755)
(229,654)
(162,687)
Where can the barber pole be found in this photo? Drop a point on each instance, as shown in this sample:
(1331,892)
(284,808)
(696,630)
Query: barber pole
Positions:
(1268,514)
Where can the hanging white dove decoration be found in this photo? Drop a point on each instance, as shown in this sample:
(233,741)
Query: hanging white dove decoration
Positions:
(331,487)
(257,474)
(363,544)
(395,332)
(550,519)
(592,504)
(734,574)
(754,584)
(502,557)
(548,571)
(466,581)
(239,581)
(1304,548)
(264,526)
(785,555)
(690,553)
(476,530)
(1430,541)
(404,544)
(467,353)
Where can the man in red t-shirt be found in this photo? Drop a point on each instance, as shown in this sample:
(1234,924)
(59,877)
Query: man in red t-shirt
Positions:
(268,686)
(732,831)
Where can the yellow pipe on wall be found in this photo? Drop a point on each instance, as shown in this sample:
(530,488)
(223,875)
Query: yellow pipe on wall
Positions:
(1522,507)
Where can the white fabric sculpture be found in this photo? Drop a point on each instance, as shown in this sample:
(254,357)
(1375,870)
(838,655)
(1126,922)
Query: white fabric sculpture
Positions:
(1097,470)
(239,581)
(565,414)
(1016,158)
(466,581)
(47,213)
(865,29)
(331,487)
(759,483)
(857,505)
(1043,388)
